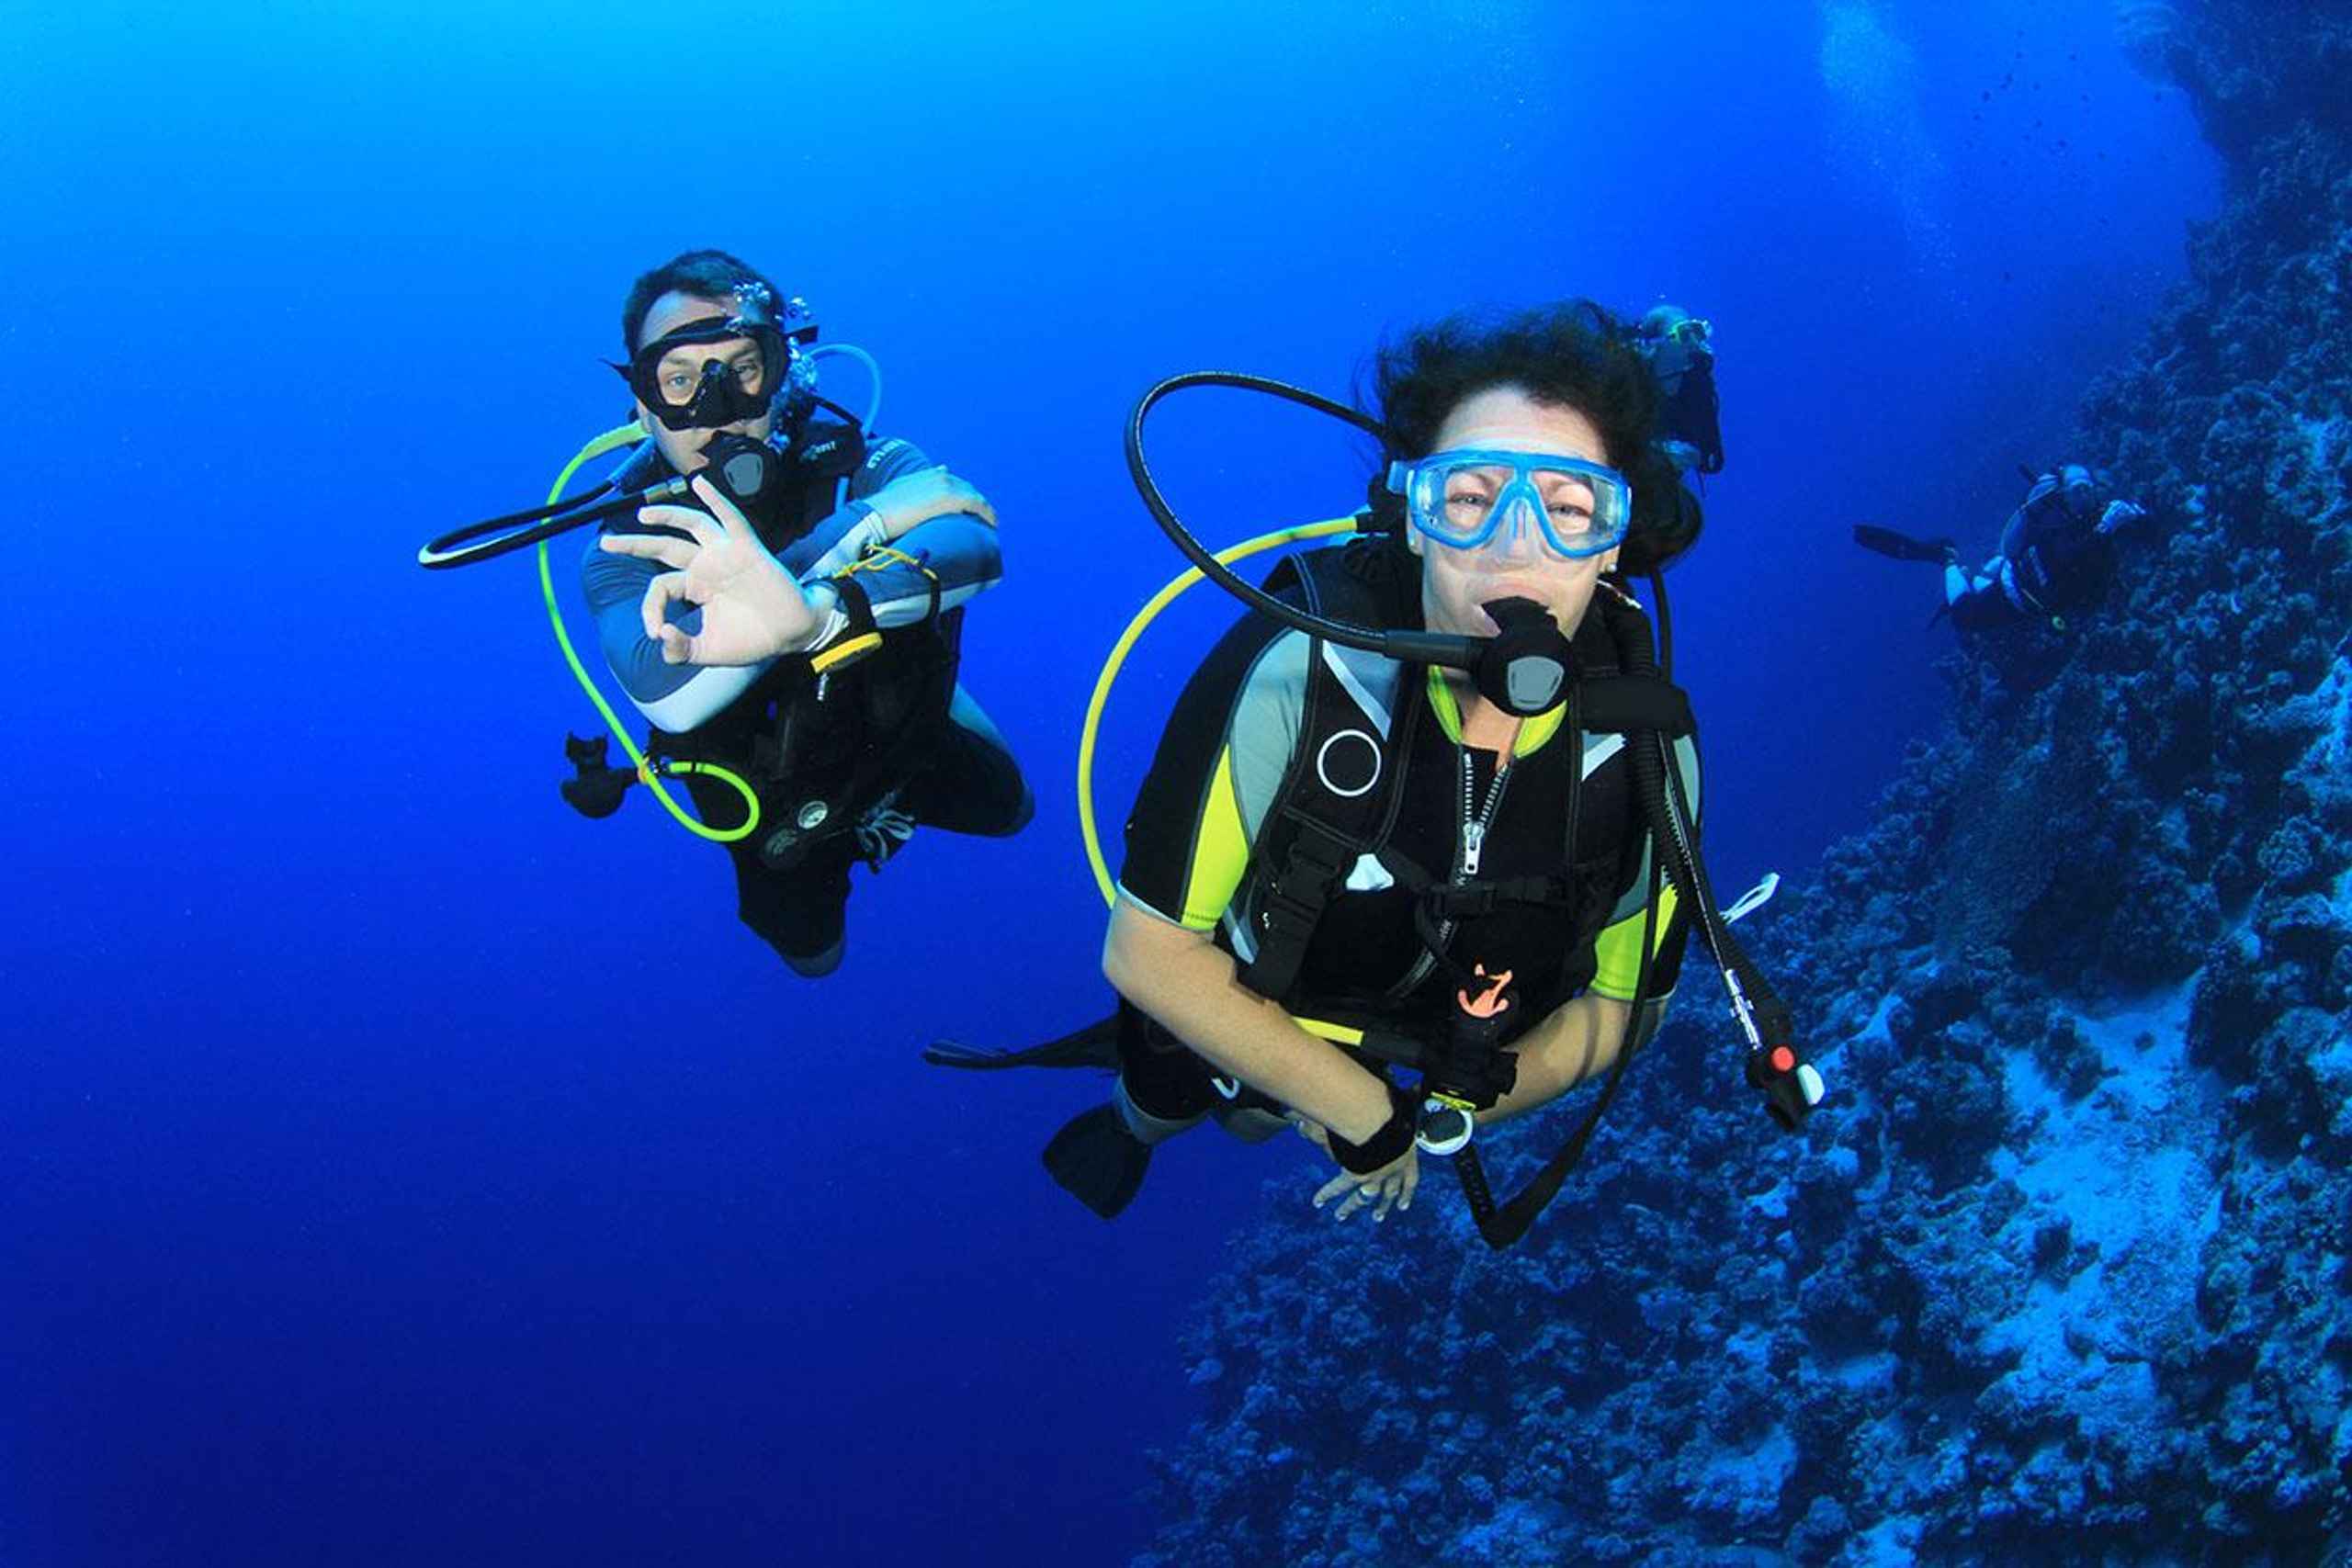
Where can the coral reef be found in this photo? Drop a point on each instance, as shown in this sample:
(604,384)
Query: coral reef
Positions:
(2060,1274)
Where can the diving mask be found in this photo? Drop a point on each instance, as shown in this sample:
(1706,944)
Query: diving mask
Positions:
(1462,499)
(724,369)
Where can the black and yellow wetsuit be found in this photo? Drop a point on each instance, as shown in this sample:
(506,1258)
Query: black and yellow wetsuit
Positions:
(1277,725)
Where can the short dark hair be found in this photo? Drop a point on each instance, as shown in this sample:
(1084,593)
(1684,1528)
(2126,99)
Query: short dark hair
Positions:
(707,275)
(1572,355)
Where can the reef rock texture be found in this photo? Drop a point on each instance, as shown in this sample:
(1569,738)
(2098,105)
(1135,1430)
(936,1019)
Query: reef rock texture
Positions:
(2059,1272)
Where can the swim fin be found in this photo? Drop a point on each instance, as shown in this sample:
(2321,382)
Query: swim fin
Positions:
(1095,1046)
(1900,546)
(1097,1161)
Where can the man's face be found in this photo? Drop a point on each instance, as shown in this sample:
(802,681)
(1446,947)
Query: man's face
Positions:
(681,369)
(2077,492)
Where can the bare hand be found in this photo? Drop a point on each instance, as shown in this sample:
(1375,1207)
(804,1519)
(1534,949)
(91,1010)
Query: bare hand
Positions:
(751,608)
(2119,513)
(1393,1183)
(912,500)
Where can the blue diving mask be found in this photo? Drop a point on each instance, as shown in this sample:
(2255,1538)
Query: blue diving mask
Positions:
(1463,498)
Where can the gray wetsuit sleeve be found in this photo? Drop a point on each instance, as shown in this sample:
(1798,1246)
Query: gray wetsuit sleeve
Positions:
(675,697)
(959,550)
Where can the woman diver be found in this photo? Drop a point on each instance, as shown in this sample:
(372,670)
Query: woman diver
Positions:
(1340,860)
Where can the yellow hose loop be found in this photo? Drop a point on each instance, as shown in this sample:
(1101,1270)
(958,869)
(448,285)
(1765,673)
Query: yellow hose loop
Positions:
(626,436)
(1143,619)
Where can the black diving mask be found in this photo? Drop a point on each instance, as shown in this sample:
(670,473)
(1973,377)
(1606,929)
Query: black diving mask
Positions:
(720,371)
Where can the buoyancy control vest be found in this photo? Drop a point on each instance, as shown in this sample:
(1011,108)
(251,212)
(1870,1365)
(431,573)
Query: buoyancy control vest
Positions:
(1336,812)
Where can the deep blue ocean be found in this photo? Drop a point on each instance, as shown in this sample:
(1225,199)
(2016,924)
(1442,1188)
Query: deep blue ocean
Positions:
(396,1168)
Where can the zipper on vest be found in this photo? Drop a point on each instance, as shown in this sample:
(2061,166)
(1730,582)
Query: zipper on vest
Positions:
(1476,821)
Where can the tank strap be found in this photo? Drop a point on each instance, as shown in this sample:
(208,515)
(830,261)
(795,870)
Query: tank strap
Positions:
(1321,830)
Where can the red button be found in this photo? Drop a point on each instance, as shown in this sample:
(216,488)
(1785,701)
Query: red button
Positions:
(1784,1059)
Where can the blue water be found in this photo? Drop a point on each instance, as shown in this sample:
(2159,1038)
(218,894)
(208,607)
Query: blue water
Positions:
(400,1169)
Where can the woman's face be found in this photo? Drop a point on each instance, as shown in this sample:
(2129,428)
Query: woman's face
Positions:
(1516,563)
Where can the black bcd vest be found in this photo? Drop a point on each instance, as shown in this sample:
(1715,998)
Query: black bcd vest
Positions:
(1314,834)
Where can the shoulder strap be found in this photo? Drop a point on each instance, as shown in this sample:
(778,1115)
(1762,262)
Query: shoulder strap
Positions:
(1337,801)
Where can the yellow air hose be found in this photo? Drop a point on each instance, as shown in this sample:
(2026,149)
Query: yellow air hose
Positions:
(648,772)
(1143,619)
(1339,1033)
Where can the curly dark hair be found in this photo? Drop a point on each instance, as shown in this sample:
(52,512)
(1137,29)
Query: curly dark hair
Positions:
(707,275)
(1572,355)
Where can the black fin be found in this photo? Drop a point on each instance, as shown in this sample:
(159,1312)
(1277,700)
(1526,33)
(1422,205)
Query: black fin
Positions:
(1097,1161)
(1095,1046)
(1899,547)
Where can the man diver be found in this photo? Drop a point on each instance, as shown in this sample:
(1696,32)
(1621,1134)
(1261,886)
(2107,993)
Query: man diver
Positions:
(807,642)
(1681,349)
(1337,850)
(2056,554)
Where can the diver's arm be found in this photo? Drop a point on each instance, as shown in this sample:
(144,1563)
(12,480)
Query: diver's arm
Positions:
(938,566)
(1580,1039)
(958,551)
(840,539)
(1188,983)
(725,602)
(675,697)
(902,503)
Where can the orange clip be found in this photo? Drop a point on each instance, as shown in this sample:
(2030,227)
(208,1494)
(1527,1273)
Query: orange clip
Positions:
(1492,1002)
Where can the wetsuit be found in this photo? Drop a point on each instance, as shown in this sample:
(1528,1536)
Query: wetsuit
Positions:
(1691,423)
(881,744)
(2053,558)
(1198,850)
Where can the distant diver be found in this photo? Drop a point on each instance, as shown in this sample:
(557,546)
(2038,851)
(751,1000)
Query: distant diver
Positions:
(780,593)
(1681,352)
(1405,816)
(2056,554)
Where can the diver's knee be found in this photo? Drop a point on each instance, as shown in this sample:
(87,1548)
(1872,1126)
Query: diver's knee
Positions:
(1021,814)
(1250,1123)
(1146,1126)
(814,965)
(1010,822)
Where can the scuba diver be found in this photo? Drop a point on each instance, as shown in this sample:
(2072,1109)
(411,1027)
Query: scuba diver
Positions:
(813,644)
(780,593)
(1353,851)
(2056,554)
(1681,349)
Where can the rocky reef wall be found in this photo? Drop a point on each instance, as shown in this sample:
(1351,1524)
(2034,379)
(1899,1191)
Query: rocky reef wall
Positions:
(2059,1274)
